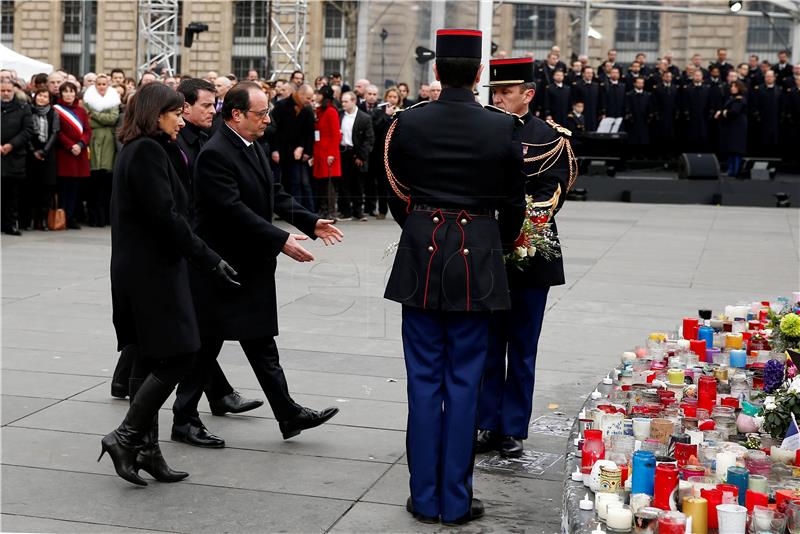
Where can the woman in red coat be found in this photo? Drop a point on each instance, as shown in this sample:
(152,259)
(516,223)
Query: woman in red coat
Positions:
(327,162)
(72,154)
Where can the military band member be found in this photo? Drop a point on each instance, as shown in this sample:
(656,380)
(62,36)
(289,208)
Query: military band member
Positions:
(506,397)
(452,165)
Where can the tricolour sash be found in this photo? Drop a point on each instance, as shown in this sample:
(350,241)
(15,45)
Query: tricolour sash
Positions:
(68,115)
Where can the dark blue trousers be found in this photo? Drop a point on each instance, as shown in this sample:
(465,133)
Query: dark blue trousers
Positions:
(507,393)
(294,177)
(445,353)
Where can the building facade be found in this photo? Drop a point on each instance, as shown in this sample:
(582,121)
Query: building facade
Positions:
(54,31)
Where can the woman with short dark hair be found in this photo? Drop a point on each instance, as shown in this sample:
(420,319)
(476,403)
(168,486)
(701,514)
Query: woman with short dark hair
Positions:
(733,127)
(41,167)
(151,241)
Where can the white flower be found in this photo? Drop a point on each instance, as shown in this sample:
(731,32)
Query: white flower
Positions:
(769,403)
(521,252)
(759,422)
(531,251)
(794,385)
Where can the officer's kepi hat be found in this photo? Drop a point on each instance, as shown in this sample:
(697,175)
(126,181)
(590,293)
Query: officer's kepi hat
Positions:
(458,43)
(512,71)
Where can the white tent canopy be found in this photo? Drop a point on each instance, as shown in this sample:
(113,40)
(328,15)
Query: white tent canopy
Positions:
(25,66)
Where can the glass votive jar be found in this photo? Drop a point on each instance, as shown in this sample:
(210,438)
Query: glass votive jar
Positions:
(661,429)
(758,463)
(720,358)
(654,446)
(793,516)
(645,520)
(641,428)
(639,501)
(602,501)
(619,518)
(758,483)
(672,523)
(732,518)
(767,520)
(707,454)
(702,483)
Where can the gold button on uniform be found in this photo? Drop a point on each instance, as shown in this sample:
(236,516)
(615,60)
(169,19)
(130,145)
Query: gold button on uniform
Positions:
(436,219)
(463,222)
(430,249)
(466,252)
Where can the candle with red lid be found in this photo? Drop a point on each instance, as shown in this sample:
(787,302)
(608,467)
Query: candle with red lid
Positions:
(698,346)
(707,392)
(665,483)
(690,326)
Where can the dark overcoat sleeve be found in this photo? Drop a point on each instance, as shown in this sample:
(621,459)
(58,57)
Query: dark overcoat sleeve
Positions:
(153,196)
(215,182)
(511,206)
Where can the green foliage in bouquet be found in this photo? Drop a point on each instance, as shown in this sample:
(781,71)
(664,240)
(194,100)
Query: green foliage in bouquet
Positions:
(777,409)
(785,330)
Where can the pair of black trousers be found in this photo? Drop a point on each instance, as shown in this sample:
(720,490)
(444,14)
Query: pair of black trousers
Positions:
(262,353)
(215,386)
(351,187)
(10,202)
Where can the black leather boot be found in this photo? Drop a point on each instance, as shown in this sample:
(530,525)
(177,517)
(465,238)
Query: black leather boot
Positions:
(124,443)
(151,461)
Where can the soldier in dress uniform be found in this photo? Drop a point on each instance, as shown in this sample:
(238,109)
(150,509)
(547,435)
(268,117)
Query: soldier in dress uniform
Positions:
(451,165)
(506,397)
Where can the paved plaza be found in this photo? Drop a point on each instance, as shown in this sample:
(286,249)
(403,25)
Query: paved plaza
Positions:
(630,269)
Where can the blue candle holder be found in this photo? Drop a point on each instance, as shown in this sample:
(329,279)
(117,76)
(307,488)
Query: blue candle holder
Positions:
(706,333)
(644,472)
(739,358)
(739,477)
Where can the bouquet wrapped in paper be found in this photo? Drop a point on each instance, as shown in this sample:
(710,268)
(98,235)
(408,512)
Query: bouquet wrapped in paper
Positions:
(535,238)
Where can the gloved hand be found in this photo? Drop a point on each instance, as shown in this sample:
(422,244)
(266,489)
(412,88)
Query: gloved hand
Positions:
(225,273)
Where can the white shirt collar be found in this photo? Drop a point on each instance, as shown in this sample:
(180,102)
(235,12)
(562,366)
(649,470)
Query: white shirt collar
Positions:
(354,113)
(245,141)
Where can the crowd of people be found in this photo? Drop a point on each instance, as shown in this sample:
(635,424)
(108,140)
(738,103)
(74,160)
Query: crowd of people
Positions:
(732,109)
(59,141)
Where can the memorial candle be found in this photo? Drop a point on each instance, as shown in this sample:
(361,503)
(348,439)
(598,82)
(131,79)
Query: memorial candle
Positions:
(697,509)
(672,523)
(665,482)
(690,327)
(706,333)
(698,346)
(714,497)
(707,392)
(739,477)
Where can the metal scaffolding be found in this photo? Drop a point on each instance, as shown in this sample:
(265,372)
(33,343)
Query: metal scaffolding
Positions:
(288,27)
(158,31)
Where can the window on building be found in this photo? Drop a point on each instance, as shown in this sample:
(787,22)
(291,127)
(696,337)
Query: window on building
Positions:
(767,36)
(73,13)
(250,29)
(636,31)
(7,25)
(534,29)
(334,46)
(250,18)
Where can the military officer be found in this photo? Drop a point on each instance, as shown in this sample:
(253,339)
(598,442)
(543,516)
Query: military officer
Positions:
(451,165)
(506,397)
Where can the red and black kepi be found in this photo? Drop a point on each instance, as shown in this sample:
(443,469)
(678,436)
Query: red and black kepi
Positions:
(513,71)
(458,43)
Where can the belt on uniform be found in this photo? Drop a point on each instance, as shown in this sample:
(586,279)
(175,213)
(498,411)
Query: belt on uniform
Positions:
(485,212)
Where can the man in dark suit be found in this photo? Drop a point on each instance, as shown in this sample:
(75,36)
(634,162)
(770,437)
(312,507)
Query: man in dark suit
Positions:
(722,63)
(294,143)
(357,140)
(782,69)
(557,101)
(766,102)
(508,382)
(665,109)
(452,165)
(637,114)
(587,90)
(198,114)
(695,108)
(613,93)
(235,199)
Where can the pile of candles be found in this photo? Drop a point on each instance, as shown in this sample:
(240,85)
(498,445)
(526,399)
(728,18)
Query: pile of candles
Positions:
(666,441)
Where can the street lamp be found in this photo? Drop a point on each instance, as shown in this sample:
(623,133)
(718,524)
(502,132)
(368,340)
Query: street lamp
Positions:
(735,6)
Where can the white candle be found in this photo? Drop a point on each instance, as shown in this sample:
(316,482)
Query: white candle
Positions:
(601,502)
(619,518)
(781,455)
(724,461)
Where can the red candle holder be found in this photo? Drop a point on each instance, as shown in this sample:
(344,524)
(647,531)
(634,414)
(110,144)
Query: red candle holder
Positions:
(665,483)
(714,497)
(690,326)
(684,451)
(698,346)
(707,392)
(755,498)
(729,488)
(730,401)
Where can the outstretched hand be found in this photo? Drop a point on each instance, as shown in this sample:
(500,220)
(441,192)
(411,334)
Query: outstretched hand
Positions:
(295,250)
(326,231)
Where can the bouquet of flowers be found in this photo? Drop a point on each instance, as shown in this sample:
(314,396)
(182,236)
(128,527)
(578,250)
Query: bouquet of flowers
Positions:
(776,413)
(785,330)
(536,237)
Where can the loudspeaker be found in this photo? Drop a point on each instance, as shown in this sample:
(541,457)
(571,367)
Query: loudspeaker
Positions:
(695,166)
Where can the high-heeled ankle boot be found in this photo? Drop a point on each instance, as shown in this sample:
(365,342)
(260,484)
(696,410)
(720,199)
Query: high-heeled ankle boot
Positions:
(124,443)
(151,461)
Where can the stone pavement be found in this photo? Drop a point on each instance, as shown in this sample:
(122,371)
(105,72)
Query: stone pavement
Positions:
(630,269)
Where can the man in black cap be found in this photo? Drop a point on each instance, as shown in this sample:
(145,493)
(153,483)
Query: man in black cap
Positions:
(506,396)
(451,165)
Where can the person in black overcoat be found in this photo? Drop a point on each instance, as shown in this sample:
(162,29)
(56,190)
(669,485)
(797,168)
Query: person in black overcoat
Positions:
(665,109)
(41,166)
(733,127)
(613,92)
(696,112)
(235,200)
(151,245)
(638,112)
(767,104)
(587,90)
(16,131)
(790,115)
(558,99)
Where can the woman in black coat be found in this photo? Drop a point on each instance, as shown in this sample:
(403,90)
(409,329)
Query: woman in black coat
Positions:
(151,241)
(42,169)
(381,119)
(733,127)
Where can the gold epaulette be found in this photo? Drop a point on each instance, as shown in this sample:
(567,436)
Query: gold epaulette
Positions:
(500,110)
(557,127)
(421,103)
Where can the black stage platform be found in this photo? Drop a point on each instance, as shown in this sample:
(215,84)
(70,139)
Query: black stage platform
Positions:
(664,187)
